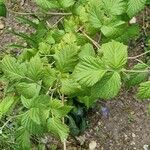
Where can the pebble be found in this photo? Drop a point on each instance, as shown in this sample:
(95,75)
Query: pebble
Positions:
(2,25)
(126,137)
(132,143)
(92,145)
(146,147)
(133,20)
(133,135)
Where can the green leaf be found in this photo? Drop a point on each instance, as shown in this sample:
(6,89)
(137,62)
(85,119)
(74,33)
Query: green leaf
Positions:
(31,123)
(137,78)
(34,114)
(23,139)
(112,29)
(134,6)
(87,100)
(69,86)
(28,90)
(35,68)
(95,16)
(12,69)
(89,71)
(41,101)
(47,4)
(129,33)
(26,102)
(56,127)
(5,105)
(114,7)
(108,87)
(114,54)
(67,58)
(49,76)
(27,21)
(66,3)
(87,50)
(3,10)
(144,90)
(58,109)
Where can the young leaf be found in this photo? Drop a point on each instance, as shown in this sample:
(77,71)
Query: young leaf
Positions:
(108,87)
(12,69)
(114,54)
(28,90)
(134,6)
(67,58)
(56,127)
(89,71)
(144,90)
(5,105)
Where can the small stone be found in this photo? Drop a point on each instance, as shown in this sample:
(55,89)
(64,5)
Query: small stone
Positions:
(2,25)
(145,147)
(126,137)
(133,20)
(92,145)
(133,135)
(132,143)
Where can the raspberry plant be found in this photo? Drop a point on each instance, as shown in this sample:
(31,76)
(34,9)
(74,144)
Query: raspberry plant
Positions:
(62,63)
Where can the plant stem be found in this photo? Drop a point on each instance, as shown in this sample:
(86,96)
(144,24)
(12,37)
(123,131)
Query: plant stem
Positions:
(136,71)
(94,42)
(35,13)
(134,57)
(63,120)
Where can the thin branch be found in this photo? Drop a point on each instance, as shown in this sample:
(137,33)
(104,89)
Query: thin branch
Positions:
(57,22)
(136,71)
(134,57)
(63,102)
(94,42)
(35,13)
